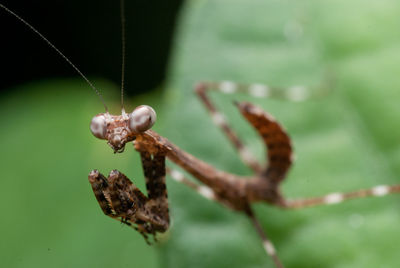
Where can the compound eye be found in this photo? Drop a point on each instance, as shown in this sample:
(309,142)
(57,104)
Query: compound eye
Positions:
(98,126)
(142,118)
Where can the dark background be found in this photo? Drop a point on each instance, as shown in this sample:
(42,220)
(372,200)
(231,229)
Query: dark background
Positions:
(89,34)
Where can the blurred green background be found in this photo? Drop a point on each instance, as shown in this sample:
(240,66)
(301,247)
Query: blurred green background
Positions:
(345,141)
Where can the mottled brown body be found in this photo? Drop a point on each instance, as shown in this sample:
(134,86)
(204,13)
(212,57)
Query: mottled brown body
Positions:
(121,200)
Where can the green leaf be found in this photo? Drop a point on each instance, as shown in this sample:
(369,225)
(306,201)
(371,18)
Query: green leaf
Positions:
(343,142)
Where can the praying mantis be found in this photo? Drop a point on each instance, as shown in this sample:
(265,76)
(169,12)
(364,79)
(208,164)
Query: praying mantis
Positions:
(154,149)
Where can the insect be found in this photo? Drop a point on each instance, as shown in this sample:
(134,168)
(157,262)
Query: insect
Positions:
(121,200)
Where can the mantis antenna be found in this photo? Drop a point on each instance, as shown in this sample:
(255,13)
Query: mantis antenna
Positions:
(123,41)
(59,52)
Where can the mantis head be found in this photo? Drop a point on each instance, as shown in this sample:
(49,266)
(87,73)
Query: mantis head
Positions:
(120,129)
